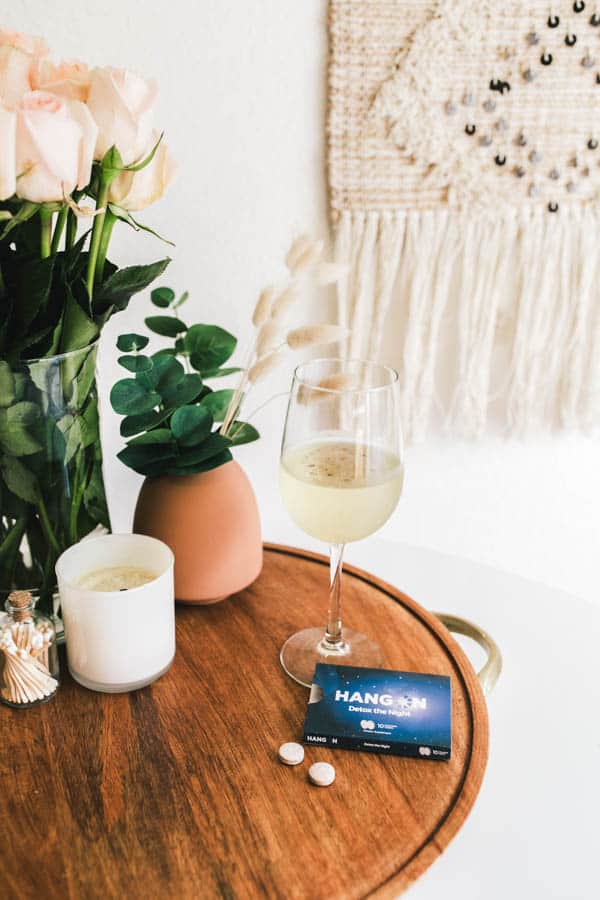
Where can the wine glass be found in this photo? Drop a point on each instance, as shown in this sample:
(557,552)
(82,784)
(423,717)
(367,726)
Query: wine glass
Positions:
(340,479)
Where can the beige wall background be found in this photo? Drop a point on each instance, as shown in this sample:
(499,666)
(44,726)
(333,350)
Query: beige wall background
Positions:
(242,101)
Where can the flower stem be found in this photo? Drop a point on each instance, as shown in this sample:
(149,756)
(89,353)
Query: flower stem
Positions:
(44,519)
(71,230)
(96,236)
(109,223)
(58,229)
(45,233)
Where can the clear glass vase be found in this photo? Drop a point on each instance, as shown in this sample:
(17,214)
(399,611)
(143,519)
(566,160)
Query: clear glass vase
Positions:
(51,485)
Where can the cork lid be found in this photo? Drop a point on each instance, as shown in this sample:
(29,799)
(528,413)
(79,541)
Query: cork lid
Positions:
(20,603)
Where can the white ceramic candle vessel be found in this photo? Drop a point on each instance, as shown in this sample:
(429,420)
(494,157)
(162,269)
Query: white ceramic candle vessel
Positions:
(118,640)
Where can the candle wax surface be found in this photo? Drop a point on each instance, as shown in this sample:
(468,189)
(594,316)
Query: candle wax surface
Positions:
(116,578)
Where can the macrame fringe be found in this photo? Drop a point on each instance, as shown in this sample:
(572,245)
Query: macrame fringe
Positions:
(514,294)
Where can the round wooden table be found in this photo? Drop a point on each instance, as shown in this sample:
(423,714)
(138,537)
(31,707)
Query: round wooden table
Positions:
(176,791)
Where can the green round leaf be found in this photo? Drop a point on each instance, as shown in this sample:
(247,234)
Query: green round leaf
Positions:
(156,436)
(218,403)
(220,373)
(167,326)
(127,343)
(212,463)
(129,396)
(140,458)
(181,300)
(134,424)
(209,346)
(242,433)
(164,374)
(162,297)
(185,391)
(191,424)
(210,446)
(137,363)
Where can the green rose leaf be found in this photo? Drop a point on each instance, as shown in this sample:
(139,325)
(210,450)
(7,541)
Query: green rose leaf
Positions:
(183,392)
(84,380)
(15,422)
(218,402)
(162,297)
(119,288)
(33,290)
(128,397)
(18,479)
(25,212)
(191,424)
(242,433)
(73,438)
(93,496)
(167,326)
(209,346)
(128,343)
(7,384)
(137,363)
(90,424)
(78,330)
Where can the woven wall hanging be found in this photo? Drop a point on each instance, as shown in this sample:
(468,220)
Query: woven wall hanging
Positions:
(464,175)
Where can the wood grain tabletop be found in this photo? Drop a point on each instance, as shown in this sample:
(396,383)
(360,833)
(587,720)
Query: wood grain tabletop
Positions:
(175,791)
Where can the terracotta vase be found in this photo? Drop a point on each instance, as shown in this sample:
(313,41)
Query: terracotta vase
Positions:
(210,521)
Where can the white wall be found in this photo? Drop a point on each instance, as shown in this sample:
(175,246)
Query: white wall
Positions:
(243,105)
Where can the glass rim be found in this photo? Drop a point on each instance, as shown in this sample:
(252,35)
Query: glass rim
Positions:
(394,376)
(58,356)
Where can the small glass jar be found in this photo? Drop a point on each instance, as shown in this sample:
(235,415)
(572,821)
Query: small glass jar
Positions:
(29,671)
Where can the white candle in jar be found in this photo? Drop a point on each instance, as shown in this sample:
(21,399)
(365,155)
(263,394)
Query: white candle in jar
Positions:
(118,607)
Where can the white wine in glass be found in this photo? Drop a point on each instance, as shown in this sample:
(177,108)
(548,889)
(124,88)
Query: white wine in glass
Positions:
(340,479)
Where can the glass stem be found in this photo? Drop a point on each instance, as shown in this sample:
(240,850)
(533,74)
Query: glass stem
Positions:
(333,634)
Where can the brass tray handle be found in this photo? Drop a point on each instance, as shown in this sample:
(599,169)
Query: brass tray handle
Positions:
(489,674)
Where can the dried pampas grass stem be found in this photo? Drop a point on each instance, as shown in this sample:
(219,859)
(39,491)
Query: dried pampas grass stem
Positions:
(266,365)
(313,335)
(303,259)
(262,310)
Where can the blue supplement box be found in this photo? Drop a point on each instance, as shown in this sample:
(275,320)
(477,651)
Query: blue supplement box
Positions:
(380,711)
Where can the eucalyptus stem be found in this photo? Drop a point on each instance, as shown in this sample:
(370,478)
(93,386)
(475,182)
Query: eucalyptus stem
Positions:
(45,233)
(61,220)
(101,204)
(109,224)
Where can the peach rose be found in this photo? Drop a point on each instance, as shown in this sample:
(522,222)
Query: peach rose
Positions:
(122,105)
(8,167)
(55,145)
(67,79)
(136,190)
(19,57)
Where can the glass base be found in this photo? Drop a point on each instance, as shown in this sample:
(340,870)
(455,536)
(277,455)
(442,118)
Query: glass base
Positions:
(303,650)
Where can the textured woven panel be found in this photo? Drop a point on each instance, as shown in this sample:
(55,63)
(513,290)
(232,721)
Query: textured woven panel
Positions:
(460,103)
